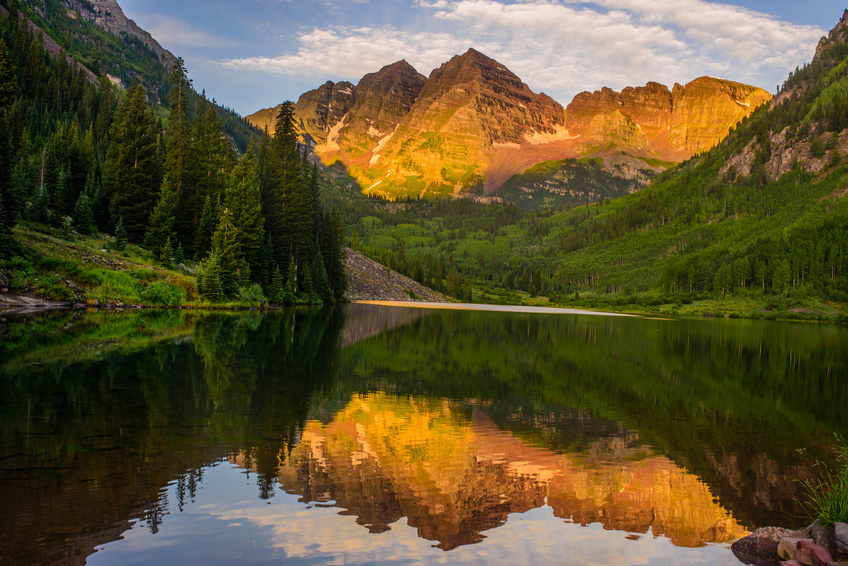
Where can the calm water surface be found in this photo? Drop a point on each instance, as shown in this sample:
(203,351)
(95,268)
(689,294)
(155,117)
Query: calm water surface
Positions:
(372,435)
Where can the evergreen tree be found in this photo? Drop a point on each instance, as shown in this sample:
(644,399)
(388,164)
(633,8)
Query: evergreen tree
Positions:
(266,259)
(320,279)
(161,227)
(120,234)
(243,200)
(7,98)
(207,169)
(299,216)
(84,215)
(167,254)
(226,247)
(316,202)
(275,289)
(203,237)
(178,138)
(290,294)
(283,179)
(7,79)
(179,254)
(337,260)
(208,281)
(131,172)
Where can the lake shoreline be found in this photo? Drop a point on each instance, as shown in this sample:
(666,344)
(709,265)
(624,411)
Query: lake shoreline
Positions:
(522,309)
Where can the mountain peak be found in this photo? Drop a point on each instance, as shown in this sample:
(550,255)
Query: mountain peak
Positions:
(402,65)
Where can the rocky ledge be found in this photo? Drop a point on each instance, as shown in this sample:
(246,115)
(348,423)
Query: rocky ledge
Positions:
(814,546)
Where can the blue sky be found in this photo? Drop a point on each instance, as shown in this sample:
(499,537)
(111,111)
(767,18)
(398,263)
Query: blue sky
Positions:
(255,54)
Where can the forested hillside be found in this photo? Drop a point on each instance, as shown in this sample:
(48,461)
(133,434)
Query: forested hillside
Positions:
(92,158)
(736,222)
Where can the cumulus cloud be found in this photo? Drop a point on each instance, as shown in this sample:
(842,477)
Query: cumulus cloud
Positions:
(565,46)
(350,52)
(173,31)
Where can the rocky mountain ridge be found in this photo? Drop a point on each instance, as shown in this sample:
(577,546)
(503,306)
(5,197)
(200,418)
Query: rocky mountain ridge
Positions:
(108,15)
(472,124)
(808,118)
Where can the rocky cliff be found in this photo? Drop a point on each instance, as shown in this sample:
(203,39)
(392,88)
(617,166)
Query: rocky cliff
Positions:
(473,124)
(657,123)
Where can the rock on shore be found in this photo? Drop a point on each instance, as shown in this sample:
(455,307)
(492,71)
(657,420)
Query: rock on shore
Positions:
(814,546)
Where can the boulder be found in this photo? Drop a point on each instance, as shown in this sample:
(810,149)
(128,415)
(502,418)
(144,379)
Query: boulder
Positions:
(841,536)
(820,534)
(4,280)
(786,547)
(810,554)
(761,545)
(181,267)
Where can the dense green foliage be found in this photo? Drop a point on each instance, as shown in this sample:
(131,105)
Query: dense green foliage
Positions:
(90,157)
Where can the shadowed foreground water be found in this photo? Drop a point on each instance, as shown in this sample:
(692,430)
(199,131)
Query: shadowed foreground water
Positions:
(368,434)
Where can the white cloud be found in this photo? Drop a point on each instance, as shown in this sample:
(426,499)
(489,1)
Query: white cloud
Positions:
(351,52)
(172,31)
(565,46)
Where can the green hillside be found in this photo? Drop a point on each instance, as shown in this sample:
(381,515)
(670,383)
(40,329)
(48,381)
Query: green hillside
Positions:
(122,56)
(80,160)
(750,235)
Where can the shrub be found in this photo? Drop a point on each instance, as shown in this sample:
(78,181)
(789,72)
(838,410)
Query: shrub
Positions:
(251,294)
(145,274)
(162,293)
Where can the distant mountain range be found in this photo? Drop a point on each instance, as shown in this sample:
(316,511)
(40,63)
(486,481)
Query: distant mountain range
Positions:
(473,124)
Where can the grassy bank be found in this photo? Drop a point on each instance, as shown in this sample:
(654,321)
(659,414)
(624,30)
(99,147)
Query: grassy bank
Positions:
(53,264)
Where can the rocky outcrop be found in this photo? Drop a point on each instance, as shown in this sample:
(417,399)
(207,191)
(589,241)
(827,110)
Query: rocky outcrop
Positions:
(383,100)
(108,15)
(341,117)
(368,280)
(670,125)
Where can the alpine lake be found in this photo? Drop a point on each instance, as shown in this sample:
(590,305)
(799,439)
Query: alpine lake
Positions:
(364,434)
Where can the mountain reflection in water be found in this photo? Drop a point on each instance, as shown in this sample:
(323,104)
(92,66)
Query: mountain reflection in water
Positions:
(455,475)
(118,430)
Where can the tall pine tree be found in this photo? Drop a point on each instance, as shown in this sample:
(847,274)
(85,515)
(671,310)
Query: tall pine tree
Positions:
(131,173)
(243,200)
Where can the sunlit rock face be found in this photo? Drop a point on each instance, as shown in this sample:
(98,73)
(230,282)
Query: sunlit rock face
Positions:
(469,107)
(473,123)
(454,474)
(655,122)
(316,111)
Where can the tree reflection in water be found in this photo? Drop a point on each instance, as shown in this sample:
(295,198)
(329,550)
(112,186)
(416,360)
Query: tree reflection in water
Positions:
(452,420)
